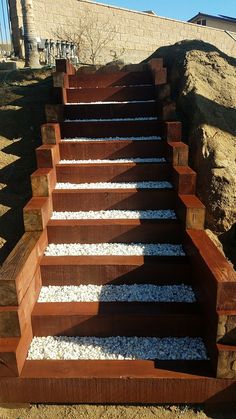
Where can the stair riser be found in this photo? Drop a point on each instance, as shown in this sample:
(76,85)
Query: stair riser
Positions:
(111,149)
(110,129)
(147,233)
(110,79)
(117,325)
(162,271)
(111,94)
(76,200)
(115,173)
(129,110)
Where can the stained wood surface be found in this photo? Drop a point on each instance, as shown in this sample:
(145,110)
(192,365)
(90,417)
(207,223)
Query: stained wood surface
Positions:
(215,277)
(111,110)
(47,155)
(50,133)
(177,153)
(111,149)
(116,231)
(110,172)
(115,382)
(121,93)
(184,180)
(108,129)
(37,213)
(43,182)
(20,266)
(98,199)
(121,78)
(117,319)
(191,211)
(172,131)
(75,270)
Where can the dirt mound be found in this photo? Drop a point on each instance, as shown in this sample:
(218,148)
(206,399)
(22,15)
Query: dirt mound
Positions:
(203,82)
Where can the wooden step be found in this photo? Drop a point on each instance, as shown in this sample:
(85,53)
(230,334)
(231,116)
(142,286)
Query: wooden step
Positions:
(121,78)
(114,231)
(117,319)
(121,93)
(115,110)
(102,129)
(115,149)
(112,172)
(98,270)
(98,199)
(116,382)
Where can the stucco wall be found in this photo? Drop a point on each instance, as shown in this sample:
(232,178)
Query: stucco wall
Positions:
(218,23)
(136,34)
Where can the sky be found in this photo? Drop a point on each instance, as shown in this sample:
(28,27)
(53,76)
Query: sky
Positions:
(179,9)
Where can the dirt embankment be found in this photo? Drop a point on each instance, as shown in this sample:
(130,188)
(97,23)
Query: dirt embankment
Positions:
(22,98)
(203,83)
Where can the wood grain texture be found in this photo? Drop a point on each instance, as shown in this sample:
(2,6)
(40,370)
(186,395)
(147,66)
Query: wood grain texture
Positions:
(177,153)
(109,172)
(19,268)
(172,131)
(111,149)
(115,382)
(43,181)
(47,155)
(37,213)
(54,112)
(121,93)
(50,133)
(121,78)
(184,180)
(191,211)
(215,277)
(117,319)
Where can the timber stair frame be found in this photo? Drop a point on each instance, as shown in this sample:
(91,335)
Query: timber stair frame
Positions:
(27,269)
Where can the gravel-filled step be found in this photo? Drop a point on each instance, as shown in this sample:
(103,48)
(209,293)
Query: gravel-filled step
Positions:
(136,292)
(110,103)
(114,249)
(83,139)
(115,161)
(115,185)
(115,214)
(119,347)
(112,119)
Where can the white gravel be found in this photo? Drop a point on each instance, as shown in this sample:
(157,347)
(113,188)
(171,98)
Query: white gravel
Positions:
(115,161)
(115,185)
(112,119)
(114,214)
(111,102)
(119,347)
(136,292)
(114,249)
(79,139)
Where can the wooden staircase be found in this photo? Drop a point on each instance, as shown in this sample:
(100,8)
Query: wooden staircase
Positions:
(134,103)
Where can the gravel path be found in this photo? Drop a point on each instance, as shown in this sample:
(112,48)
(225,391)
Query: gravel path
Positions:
(111,249)
(119,347)
(79,139)
(141,118)
(104,161)
(135,292)
(115,185)
(114,214)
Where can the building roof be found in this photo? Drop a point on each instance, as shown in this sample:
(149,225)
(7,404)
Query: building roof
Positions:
(219,17)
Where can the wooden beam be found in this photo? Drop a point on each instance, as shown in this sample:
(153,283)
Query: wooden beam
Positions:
(177,153)
(172,131)
(51,133)
(184,180)
(191,211)
(54,113)
(19,268)
(47,155)
(43,181)
(37,213)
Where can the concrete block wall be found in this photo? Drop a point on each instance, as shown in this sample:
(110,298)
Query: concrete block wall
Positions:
(136,34)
